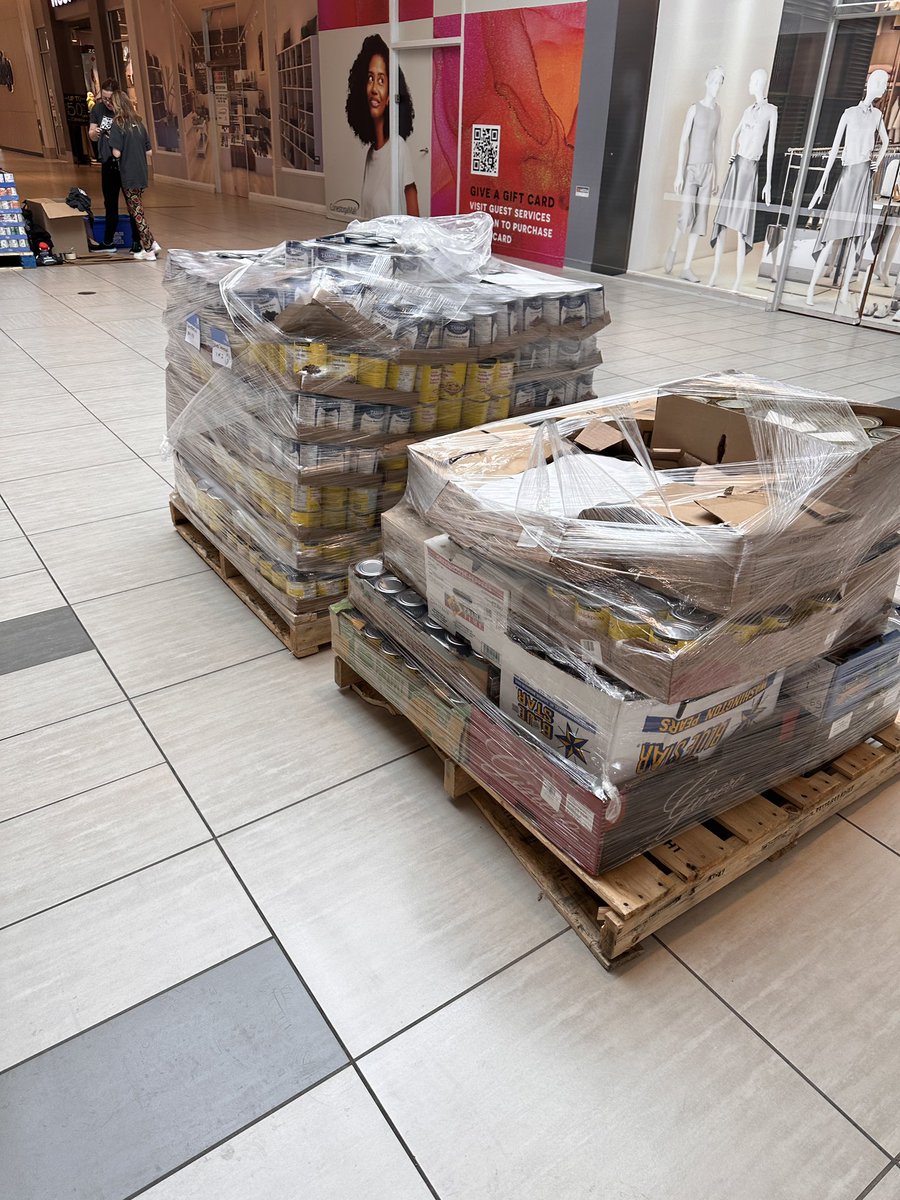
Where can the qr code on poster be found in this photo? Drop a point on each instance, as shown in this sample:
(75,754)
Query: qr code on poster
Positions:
(485,149)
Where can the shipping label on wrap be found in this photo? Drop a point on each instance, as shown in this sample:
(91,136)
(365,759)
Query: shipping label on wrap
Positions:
(461,600)
(221,348)
(192,331)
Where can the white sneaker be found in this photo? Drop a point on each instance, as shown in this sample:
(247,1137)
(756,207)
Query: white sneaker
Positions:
(144,256)
(156,247)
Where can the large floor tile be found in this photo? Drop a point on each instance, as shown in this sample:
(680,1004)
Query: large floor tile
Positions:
(119,404)
(79,497)
(66,849)
(61,760)
(555,1079)
(144,434)
(42,414)
(162,466)
(86,960)
(117,555)
(9,527)
(84,376)
(879,815)
(806,949)
(26,454)
(17,557)
(54,691)
(369,887)
(115,1109)
(331,1144)
(887,1188)
(243,740)
(168,632)
(32,592)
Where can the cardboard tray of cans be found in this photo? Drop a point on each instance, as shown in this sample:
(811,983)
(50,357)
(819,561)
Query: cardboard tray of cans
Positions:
(298,377)
(655,645)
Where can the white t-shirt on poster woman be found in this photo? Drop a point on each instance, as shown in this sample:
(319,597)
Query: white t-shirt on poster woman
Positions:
(376,185)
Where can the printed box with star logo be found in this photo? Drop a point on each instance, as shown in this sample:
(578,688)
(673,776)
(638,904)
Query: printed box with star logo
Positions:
(615,733)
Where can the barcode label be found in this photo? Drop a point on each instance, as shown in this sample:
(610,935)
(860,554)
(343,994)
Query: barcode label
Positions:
(485,149)
(580,812)
(221,353)
(551,795)
(840,725)
(192,331)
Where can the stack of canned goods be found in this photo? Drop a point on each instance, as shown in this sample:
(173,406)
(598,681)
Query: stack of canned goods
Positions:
(305,372)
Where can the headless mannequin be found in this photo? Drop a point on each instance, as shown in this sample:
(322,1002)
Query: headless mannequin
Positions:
(757,127)
(858,130)
(697,155)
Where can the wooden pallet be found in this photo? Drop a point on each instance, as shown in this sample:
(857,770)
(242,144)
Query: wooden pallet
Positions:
(303,634)
(614,912)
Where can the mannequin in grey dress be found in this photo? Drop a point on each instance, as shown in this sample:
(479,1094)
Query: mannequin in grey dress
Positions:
(737,206)
(850,211)
(695,178)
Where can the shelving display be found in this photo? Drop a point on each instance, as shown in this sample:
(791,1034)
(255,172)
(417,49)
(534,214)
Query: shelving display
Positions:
(298,105)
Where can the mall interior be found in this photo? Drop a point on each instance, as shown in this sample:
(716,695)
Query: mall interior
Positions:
(449,670)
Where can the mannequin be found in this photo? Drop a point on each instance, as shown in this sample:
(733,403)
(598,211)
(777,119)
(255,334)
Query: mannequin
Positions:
(849,216)
(737,207)
(695,178)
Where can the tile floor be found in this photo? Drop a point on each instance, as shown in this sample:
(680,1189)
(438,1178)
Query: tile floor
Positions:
(248,948)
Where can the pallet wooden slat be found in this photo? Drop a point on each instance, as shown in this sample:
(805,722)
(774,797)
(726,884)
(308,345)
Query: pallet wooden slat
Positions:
(614,912)
(303,634)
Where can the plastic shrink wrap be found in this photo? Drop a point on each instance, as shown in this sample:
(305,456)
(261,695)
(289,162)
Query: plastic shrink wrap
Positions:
(299,376)
(649,608)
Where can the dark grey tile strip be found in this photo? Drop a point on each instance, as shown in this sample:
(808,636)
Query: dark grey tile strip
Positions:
(40,638)
(109,1112)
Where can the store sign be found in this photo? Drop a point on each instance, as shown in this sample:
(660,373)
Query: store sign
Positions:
(59,3)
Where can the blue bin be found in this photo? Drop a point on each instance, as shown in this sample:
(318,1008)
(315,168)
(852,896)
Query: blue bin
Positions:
(122,236)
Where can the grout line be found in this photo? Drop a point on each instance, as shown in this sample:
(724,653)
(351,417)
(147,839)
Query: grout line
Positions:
(204,674)
(868,835)
(870,1187)
(136,588)
(84,792)
(107,883)
(131,1007)
(82,524)
(784,1058)
(465,992)
(323,791)
(87,467)
(237,1133)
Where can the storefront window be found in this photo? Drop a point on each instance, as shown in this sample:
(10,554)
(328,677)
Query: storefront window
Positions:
(118,36)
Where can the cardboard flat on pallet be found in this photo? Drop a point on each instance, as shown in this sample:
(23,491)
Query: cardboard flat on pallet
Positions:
(748,505)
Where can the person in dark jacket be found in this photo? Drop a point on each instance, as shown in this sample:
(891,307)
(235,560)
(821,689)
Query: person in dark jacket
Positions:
(130,144)
(102,116)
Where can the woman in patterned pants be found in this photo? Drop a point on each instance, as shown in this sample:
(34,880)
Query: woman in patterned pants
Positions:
(130,144)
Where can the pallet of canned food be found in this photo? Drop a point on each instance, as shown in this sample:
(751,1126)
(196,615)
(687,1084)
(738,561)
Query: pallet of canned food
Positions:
(299,377)
(644,610)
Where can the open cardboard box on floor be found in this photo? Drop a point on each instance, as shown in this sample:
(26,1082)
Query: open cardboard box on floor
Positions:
(66,226)
(746,539)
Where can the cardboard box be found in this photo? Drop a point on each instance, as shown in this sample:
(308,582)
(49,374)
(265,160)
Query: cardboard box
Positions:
(831,687)
(617,734)
(727,550)
(66,226)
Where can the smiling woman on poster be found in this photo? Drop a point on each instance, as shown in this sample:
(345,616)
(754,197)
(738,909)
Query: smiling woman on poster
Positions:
(368,117)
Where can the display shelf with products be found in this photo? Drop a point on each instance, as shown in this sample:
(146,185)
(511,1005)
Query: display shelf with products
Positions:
(298,104)
(15,248)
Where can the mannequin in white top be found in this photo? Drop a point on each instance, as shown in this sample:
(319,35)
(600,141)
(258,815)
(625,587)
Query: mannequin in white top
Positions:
(850,211)
(695,178)
(737,207)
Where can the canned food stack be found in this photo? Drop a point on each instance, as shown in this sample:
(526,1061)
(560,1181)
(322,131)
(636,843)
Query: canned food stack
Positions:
(321,362)
(682,596)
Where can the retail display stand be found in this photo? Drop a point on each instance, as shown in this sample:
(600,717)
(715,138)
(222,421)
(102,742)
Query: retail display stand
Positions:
(13,238)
